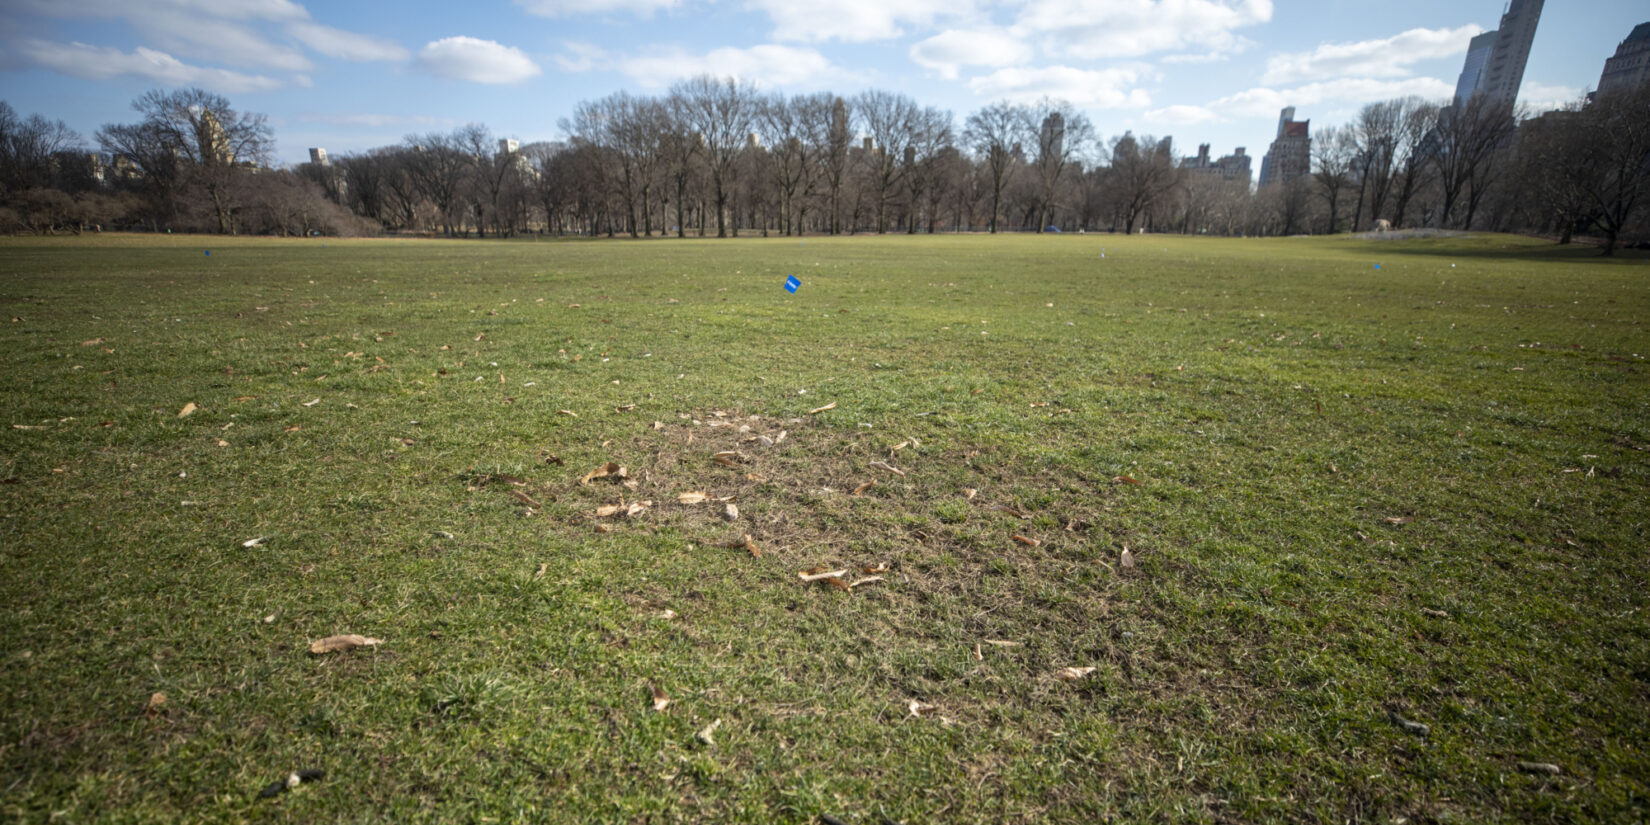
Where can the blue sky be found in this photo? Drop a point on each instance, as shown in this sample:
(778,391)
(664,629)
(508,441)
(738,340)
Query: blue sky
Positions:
(356,74)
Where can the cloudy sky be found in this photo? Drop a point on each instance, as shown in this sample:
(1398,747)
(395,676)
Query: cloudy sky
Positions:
(354,75)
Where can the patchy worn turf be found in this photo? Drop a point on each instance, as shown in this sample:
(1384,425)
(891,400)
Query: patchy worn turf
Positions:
(1386,530)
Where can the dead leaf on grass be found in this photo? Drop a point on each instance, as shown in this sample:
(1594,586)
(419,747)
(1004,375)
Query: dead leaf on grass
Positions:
(706,733)
(638,508)
(92,343)
(156,705)
(624,408)
(188,409)
(692,498)
(873,569)
(750,544)
(544,567)
(730,512)
(661,700)
(863,487)
(603,528)
(978,655)
(608,469)
(1030,542)
(866,580)
(779,439)
(1399,519)
(1125,480)
(340,643)
(886,467)
(919,709)
(527,499)
(726,458)
(255,542)
(312,403)
(830,406)
(970,493)
(817,574)
(1071,674)
(568,413)
(1127,560)
(658,425)
(608,510)
(1000,643)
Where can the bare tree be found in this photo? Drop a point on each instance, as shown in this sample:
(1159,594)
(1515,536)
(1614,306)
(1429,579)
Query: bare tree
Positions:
(1334,154)
(1414,140)
(930,136)
(1063,135)
(438,169)
(28,147)
(994,133)
(890,119)
(1612,170)
(1142,172)
(720,113)
(838,138)
(1466,144)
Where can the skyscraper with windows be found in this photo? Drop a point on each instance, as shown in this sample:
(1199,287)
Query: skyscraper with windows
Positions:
(1630,67)
(1495,60)
(1290,155)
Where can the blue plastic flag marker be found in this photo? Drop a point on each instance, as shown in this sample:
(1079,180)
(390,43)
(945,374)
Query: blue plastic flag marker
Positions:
(208,253)
(1377,266)
(791,284)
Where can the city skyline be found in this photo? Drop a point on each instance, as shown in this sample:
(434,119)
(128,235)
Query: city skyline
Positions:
(364,75)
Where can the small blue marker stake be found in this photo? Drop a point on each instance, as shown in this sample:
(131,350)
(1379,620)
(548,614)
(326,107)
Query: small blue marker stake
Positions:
(208,253)
(791,284)
(1377,266)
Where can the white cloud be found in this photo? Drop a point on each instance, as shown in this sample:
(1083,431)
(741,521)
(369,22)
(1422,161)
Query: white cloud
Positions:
(1181,115)
(345,45)
(947,51)
(1105,88)
(372,121)
(1265,101)
(766,65)
(218,40)
(104,63)
(476,60)
(1104,29)
(581,57)
(1387,57)
(854,21)
(585,8)
(1210,57)
(1544,97)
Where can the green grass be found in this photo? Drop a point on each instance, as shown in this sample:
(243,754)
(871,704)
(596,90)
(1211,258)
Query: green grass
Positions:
(1418,490)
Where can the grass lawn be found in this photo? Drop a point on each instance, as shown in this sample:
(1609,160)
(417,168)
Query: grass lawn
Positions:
(1323,541)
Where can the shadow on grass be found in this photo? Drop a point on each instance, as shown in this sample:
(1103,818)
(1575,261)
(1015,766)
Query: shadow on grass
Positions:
(1503,248)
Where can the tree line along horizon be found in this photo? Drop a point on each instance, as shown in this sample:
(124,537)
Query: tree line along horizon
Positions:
(716,156)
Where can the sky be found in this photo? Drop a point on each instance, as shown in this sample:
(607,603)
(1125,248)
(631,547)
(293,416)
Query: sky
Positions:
(358,74)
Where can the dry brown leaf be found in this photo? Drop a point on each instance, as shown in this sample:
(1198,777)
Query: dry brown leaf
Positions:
(900,446)
(818,575)
(978,655)
(340,643)
(667,614)
(1125,480)
(291,428)
(880,567)
(661,700)
(658,425)
(1399,519)
(603,528)
(544,567)
(970,493)
(1000,643)
(568,412)
(481,336)
(726,458)
(750,544)
(188,409)
(608,510)
(624,408)
(920,708)
(730,512)
(92,343)
(779,439)
(156,705)
(886,467)
(222,443)
(638,508)
(836,583)
(1127,560)
(863,487)
(312,402)
(756,478)
(830,406)
(527,499)
(1073,673)
(254,542)
(866,580)
(632,485)
(1026,541)
(692,498)
(610,468)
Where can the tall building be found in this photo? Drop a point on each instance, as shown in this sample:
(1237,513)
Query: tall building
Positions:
(1229,167)
(1051,139)
(1504,71)
(508,145)
(1478,54)
(1630,67)
(1290,156)
(318,157)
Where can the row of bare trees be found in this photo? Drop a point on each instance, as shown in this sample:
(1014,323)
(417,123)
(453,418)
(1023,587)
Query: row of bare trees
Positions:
(714,155)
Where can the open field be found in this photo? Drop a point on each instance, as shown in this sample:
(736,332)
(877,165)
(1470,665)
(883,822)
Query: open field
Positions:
(1353,498)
